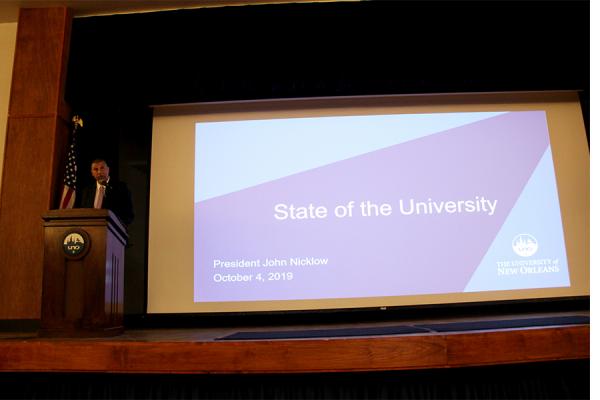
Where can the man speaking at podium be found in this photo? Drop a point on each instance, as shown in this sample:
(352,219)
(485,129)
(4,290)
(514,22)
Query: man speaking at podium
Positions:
(107,193)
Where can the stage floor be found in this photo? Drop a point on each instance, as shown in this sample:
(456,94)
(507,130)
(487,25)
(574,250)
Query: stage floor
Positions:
(306,348)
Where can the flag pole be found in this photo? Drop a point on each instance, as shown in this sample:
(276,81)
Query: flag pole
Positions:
(69,190)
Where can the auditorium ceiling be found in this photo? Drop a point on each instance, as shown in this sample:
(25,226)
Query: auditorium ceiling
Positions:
(9,9)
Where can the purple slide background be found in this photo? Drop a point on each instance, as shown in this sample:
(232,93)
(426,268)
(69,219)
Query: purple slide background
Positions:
(374,256)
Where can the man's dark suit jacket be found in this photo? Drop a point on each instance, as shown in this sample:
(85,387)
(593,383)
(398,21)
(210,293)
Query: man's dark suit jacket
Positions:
(117,198)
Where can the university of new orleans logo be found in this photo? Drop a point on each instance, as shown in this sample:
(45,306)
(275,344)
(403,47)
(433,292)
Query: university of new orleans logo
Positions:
(525,245)
(75,243)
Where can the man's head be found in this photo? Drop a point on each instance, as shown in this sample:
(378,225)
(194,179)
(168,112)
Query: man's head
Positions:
(100,171)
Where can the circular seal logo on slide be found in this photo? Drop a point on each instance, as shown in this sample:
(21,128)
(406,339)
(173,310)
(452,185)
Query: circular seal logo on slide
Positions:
(525,245)
(75,243)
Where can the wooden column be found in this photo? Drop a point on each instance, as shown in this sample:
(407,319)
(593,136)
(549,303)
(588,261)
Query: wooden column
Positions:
(36,141)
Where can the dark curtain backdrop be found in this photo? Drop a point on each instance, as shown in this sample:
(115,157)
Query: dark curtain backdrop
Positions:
(121,65)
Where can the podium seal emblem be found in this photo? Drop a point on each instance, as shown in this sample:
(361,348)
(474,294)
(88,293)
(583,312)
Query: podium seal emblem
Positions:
(75,243)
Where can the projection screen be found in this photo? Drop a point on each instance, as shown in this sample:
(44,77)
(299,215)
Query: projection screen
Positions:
(362,202)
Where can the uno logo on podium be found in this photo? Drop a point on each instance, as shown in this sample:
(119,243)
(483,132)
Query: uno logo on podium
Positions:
(75,243)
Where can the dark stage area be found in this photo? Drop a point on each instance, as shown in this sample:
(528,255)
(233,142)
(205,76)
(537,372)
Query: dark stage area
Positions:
(415,328)
(551,380)
(548,360)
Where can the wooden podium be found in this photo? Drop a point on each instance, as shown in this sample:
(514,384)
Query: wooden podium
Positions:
(82,292)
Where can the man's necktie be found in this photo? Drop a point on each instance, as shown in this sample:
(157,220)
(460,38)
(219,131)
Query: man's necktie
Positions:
(99,197)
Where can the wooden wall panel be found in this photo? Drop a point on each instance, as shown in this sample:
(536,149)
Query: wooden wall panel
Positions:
(28,165)
(40,62)
(36,138)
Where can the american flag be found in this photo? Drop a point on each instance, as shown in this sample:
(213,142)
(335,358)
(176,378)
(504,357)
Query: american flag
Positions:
(67,199)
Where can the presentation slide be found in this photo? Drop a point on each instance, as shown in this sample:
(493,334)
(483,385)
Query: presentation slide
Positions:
(375,205)
(368,202)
